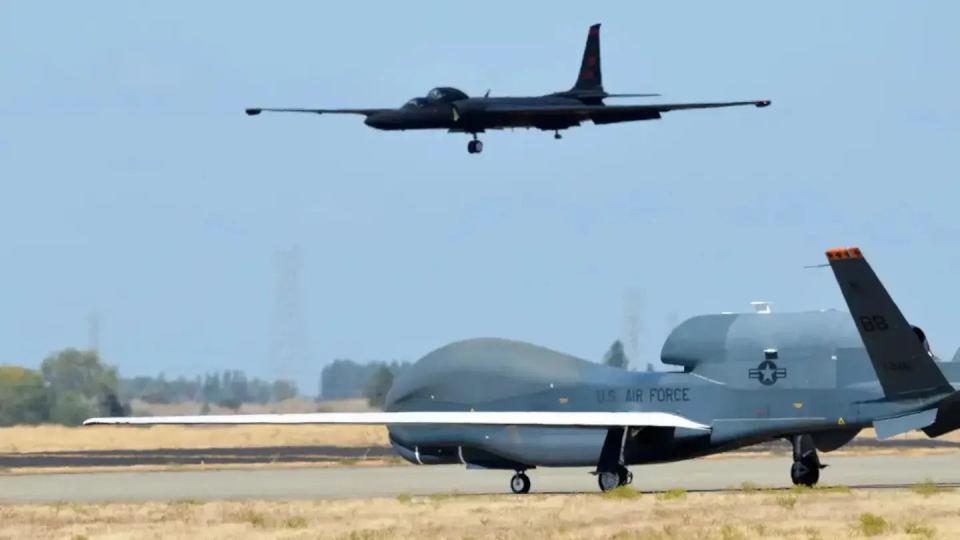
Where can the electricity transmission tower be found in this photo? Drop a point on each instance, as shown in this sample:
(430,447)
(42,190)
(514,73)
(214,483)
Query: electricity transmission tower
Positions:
(290,346)
(631,328)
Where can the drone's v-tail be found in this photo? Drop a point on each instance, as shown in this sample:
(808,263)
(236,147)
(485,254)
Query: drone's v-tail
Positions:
(897,350)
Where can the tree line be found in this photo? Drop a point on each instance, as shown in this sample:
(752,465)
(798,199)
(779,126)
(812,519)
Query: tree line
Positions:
(230,388)
(346,379)
(69,387)
(74,385)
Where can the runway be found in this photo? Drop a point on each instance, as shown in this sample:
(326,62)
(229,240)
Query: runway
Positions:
(355,482)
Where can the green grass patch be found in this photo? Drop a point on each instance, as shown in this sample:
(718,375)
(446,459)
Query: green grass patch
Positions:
(834,489)
(928,487)
(816,490)
(621,493)
(786,501)
(869,524)
(671,494)
(919,530)
(403,498)
(729,532)
(294,522)
(256,519)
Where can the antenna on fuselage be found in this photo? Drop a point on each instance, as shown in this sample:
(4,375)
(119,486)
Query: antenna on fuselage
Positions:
(762,307)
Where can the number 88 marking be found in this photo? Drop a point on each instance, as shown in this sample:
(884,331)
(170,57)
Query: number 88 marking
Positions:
(874,322)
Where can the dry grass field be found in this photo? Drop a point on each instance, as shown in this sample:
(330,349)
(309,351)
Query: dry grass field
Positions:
(58,438)
(51,438)
(48,438)
(923,512)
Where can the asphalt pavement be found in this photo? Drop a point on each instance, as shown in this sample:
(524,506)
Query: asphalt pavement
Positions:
(275,482)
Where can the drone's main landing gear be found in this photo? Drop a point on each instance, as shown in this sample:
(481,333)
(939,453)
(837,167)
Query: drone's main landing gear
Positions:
(608,480)
(520,483)
(475,146)
(557,135)
(611,472)
(805,470)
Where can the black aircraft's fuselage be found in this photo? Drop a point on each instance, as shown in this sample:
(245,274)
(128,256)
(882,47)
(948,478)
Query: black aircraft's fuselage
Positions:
(474,114)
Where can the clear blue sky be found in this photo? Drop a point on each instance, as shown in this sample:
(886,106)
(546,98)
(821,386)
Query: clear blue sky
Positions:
(134,186)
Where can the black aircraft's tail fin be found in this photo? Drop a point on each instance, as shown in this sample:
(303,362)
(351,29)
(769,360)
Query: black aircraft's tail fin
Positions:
(590,78)
(897,350)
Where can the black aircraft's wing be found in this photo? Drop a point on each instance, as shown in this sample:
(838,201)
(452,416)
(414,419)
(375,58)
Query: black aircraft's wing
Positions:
(605,114)
(364,112)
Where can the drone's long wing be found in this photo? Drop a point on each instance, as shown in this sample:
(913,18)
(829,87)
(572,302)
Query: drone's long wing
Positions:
(364,112)
(478,418)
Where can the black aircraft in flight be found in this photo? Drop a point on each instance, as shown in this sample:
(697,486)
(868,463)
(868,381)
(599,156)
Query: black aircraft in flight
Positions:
(452,109)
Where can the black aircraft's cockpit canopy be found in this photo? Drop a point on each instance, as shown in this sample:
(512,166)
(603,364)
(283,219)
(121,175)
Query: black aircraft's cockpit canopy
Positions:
(416,103)
(446,94)
(441,94)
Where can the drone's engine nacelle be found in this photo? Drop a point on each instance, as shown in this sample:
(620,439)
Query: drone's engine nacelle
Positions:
(922,336)
(426,455)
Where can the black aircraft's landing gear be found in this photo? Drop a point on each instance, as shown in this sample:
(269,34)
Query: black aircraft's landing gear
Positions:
(475,146)
(520,483)
(557,135)
(805,470)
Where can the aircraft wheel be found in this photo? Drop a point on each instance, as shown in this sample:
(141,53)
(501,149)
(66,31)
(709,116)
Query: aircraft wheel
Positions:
(608,480)
(475,146)
(804,474)
(520,483)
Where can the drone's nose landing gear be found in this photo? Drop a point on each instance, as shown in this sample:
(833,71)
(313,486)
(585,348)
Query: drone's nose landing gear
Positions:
(557,135)
(805,470)
(475,146)
(520,483)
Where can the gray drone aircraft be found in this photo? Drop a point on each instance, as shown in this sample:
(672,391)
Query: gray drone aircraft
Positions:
(452,109)
(814,378)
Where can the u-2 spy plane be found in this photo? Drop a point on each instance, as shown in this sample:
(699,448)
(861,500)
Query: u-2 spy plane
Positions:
(813,378)
(452,109)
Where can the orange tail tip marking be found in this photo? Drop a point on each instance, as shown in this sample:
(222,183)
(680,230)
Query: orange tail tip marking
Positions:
(837,253)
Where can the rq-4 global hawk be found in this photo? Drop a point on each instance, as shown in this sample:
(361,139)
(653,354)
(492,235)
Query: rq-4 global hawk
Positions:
(453,110)
(815,379)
